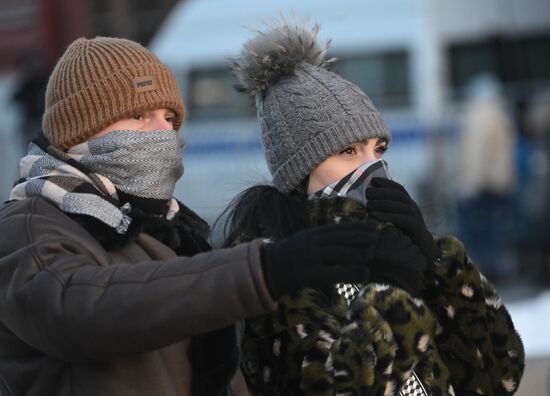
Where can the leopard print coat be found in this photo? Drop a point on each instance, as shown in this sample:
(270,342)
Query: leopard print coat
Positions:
(457,335)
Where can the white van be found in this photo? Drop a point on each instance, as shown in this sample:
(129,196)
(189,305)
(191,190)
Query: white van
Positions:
(411,57)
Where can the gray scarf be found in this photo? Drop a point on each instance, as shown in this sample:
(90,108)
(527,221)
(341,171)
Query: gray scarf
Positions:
(85,179)
(142,164)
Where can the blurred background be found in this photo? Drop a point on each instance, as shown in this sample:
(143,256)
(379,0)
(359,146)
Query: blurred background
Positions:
(464,86)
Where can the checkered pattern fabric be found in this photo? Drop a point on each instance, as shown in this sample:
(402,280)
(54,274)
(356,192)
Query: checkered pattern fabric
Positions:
(348,290)
(413,387)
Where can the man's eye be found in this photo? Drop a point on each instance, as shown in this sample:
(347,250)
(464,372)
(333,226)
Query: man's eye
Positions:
(137,117)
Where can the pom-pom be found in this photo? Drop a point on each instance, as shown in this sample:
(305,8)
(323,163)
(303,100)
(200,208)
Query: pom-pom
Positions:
(276,53)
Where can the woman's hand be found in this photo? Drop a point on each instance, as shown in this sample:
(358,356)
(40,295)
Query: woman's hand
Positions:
(388,201)
(398,262)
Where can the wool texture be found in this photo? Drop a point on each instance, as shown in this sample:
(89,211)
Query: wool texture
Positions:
(99,81)
(306,112)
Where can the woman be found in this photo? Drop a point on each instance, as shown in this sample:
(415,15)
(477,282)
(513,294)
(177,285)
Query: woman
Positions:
(425,321)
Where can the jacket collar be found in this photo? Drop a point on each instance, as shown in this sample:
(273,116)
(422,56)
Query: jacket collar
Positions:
(186,234)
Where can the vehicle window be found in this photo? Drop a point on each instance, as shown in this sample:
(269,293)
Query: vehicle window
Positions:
(212,95)
(383,76)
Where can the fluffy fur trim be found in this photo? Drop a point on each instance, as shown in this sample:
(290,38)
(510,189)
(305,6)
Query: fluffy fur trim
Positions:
(276,53)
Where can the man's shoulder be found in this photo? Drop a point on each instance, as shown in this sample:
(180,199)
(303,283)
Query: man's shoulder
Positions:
(29,206)
(37,220)
(33,213)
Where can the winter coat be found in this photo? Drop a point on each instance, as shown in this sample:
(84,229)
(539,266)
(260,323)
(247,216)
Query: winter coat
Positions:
(456,336)
(84,312)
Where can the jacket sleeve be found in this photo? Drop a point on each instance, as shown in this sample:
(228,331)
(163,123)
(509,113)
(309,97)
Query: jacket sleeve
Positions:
(477,340)
(59,296)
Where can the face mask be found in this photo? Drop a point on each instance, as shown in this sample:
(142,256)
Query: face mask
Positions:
(142,164)
(355,183)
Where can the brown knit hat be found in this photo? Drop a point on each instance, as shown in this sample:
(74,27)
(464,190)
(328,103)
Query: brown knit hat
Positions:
(103,80)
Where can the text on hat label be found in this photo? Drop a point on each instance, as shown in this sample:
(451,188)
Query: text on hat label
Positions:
(144,84)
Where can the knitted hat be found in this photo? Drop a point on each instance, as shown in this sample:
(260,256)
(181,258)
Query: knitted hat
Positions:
(306,113)
(103,80)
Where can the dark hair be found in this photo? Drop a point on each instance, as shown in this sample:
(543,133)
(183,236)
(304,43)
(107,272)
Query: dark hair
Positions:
(264,211)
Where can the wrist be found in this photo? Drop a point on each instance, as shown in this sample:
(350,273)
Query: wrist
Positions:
(270,275)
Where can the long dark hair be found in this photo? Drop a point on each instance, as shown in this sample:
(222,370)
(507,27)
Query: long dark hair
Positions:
(264,211)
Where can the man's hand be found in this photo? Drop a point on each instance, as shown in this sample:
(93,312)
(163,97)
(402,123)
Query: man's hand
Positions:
(320,256)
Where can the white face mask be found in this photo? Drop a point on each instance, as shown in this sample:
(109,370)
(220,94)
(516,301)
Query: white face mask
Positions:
(355,183)
(142,164)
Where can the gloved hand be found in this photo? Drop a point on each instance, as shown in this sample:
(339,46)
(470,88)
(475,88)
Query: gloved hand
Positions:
(319,256)
(389,202)
(398,261)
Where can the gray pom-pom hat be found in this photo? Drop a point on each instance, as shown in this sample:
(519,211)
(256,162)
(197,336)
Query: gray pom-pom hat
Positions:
(306,112)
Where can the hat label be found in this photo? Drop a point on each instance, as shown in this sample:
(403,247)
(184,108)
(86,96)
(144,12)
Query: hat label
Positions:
(144,84)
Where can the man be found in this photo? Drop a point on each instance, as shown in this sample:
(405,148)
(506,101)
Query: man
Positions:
(107,283)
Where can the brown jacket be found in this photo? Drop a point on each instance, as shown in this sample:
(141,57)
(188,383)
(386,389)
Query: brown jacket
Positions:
(76,319)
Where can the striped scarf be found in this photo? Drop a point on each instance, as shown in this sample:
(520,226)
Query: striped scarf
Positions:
(354,184)
(89,177)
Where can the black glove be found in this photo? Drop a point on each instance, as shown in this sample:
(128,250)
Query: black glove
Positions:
(398,261)
(389,202)
(319,257)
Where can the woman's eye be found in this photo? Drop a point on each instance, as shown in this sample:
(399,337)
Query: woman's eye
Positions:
(137,117)
(381,149)
(348,150)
